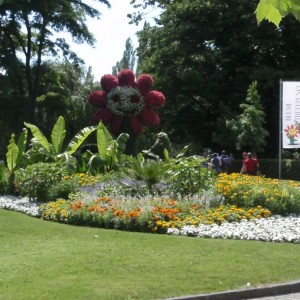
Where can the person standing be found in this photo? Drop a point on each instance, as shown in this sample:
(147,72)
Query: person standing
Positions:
(244,154)
(225,159)
(250,165)
(216,162)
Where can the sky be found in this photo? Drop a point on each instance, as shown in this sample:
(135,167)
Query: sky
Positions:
(111,32)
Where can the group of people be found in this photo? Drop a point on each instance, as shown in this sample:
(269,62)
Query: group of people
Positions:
(250,164)
(221,163)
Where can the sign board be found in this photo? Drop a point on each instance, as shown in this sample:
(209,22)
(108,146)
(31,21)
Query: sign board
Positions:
(290,114)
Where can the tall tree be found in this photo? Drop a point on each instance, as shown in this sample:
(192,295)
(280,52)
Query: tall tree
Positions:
(26,37)
(128,59)
(248,127)
(204,55)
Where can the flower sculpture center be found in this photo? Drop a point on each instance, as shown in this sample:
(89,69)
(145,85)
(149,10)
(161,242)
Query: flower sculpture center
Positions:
(124,101)
(127,104)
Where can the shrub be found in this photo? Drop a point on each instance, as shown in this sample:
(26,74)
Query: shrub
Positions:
(187,177)
(36,180)
(64,188)
(3,179)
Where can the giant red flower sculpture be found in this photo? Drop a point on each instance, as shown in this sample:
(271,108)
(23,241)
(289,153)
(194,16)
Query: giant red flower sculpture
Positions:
(126,101)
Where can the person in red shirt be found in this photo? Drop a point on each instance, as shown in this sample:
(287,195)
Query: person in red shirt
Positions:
(250,165)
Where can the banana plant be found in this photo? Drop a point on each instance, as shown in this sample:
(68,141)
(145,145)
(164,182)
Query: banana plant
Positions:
(109,150)
(44,150)
(15,156)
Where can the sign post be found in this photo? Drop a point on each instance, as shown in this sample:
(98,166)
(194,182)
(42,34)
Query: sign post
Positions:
(289,128)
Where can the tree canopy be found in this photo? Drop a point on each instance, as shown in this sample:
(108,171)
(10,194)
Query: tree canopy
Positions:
(26,37)
(204,66)
(29,36)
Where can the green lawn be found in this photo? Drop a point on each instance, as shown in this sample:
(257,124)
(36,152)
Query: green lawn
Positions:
(45,260)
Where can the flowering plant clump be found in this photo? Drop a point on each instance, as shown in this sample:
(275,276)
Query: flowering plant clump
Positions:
(280,197)
(147,215)
(126,100)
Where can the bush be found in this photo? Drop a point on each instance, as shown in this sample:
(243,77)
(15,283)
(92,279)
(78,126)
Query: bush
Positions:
(37,179)
(64,188)
(187,177)
(3,179)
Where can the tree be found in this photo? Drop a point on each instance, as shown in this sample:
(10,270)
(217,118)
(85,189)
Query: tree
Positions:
(26,41)
(128,59)
(248,127)
(204,66)
(64,88)
(274,11)
(26,37)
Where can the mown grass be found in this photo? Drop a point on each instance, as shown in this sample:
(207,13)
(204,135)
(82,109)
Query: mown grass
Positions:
(46,260)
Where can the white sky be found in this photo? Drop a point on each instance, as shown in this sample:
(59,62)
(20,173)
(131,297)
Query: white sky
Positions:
(111,32)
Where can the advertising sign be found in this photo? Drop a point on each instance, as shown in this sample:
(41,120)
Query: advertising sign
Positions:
(290,114)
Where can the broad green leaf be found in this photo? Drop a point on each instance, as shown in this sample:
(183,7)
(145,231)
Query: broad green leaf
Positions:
(166,154)
(21,144)
(12,154)
(275,10)
(39,136)
(104,140)
(79,138)
(122,140)
(268,12)
(182,152)
(58,135)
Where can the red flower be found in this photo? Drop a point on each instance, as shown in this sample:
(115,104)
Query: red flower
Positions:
(108,82)
(144,83)
(103,114)
(126,78)
(155,99)
(115,124)
(123,97)
(149,117)
(98,98)
(136,125)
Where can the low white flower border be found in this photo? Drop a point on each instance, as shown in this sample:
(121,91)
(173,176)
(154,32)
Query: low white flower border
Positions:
(272,229)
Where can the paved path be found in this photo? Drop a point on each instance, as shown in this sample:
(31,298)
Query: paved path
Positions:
(295,296)
(286,291)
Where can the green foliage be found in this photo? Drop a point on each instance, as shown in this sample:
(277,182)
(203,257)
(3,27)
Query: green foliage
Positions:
(147,170)
(187,177)
(42,150)
(128,59)
(36,180)
(63,188)
(205,66)
(3,179)
(109,150)
(15,157)
(249,126)
(274,11)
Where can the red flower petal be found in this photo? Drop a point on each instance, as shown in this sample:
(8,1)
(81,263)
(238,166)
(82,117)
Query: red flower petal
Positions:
(154,99)
(97,98)
(144,83)
(103,114)
(126,78)
(136,126)
(108,82)
(115,124)
(149,117)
